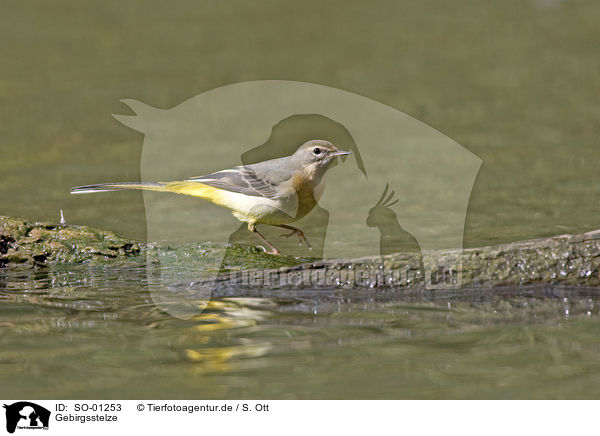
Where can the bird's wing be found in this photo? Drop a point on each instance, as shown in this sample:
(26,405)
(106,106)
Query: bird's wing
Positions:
(248,179)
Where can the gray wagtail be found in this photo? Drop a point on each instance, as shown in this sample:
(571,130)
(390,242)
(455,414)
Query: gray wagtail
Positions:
(274,192)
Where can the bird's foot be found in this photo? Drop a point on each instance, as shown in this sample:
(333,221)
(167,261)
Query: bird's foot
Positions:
(301,237)
(273,250)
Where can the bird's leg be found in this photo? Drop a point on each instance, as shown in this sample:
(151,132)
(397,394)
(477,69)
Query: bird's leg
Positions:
(274,250)
(295,231)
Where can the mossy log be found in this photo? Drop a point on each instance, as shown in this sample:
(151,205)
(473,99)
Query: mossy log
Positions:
(570,260)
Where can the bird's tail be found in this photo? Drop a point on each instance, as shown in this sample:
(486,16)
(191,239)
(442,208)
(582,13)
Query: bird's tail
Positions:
(195,189)
(119,186)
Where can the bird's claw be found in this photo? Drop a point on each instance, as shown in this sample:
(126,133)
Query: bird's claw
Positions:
(273,250)
(301,237)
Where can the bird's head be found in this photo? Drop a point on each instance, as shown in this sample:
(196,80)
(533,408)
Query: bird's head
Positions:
(319,152)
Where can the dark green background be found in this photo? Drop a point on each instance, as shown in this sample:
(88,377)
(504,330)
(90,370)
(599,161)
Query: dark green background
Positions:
(515,82)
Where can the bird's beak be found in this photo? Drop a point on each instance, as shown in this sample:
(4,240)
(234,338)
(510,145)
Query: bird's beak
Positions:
(342,153)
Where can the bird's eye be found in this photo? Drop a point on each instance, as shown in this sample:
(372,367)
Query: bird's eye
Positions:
(317,150)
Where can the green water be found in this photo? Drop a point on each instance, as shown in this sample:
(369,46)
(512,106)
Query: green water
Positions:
(84,333)
(516,82)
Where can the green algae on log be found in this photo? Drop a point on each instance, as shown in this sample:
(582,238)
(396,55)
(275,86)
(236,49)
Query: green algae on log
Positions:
(40,244)
(565,260)
(570,260)
(25,243)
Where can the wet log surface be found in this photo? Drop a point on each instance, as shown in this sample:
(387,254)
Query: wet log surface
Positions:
(565,260)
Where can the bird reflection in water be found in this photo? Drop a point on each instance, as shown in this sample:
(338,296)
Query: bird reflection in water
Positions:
(204,335)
